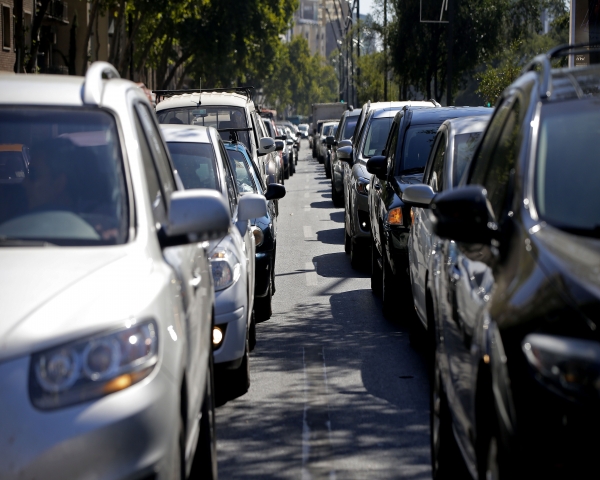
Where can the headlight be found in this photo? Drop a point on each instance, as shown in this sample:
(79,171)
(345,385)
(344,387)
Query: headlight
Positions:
(362,186)
(394,216)
(226,269)
(86,369)
(567,365)
(259,236)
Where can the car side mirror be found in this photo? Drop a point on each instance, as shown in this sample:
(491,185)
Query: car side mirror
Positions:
(278,145)
(275,191)
(344,143)
(266,145)
(251,205)
(418,196)
(377,165)
(289,141)
(200,213)
(330,140)
(345,154)
(462,214)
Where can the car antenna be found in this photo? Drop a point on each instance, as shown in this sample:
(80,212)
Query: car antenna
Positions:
(200,94)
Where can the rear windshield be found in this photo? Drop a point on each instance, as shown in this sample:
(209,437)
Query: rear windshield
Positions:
(195,163)
(61,178)
(568,167)
(464,147)
(243,176)
(418,141)
(349,127)
(377,136)
(219,117)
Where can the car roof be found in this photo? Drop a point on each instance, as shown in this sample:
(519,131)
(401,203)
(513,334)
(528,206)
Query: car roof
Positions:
(473,124)
(410,103)
(207,99)
(422,116)
(186,133)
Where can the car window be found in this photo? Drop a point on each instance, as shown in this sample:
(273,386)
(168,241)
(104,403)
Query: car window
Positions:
(195,163)
(418,141)
(154,139)
(436,178)
(566,192)
(377,135)
(230,182)
(464,147)
(253,169)
(349,127)
(391,146)
(243,176)
(63,178)
(502,161)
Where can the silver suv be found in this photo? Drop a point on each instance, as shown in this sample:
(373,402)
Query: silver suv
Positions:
(105,335)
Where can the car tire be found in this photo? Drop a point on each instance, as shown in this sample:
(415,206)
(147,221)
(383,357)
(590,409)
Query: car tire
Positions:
(338,200)
(263,305)
(328,169)
(389,289)
(286,173)
(238,380)
(357,255)
(376,276)
(252,332)
(446,458)
(205,459)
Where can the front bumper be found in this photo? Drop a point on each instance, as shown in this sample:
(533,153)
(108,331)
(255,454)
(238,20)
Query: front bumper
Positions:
(360,218)
(231,308)
(125,435)
(396,246)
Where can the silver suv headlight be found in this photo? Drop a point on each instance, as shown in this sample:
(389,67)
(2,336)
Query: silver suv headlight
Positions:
(85,369)
(226,269)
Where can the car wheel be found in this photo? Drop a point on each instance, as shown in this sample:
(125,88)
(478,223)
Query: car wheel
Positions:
(205,460)
(357,255)
(445,455)
(238,380)
(263,305)
(338,200)
(389,289)
(286,173)
(376,275)
(252,333)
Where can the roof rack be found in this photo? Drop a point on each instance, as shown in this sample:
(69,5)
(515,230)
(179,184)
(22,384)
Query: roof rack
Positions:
(93,86)
(543,61)
(169,93)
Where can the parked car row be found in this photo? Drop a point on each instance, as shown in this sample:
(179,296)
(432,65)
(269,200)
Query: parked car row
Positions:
(480,230)
(140,253)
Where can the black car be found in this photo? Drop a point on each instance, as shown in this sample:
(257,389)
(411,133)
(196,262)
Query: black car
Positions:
(517,369)
(342,138)
(402,163)
(264,228)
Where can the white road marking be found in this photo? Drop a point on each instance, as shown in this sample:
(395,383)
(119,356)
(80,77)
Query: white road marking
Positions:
(306,195)
(306,187)
(306,208)
(312,279)
(308,232)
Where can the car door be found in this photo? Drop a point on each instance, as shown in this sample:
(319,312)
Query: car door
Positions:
(468,268)
(188,261)
(421,235)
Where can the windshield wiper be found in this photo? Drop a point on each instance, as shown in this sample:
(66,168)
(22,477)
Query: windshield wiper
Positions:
(19,242)
(410,171)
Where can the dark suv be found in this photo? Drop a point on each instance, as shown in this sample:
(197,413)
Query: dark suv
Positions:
(517,370)
(402,163)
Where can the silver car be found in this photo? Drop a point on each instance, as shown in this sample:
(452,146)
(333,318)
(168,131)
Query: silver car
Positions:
(105,334)
(202,162)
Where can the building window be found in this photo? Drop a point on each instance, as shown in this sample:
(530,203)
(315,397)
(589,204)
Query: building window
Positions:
(6,27)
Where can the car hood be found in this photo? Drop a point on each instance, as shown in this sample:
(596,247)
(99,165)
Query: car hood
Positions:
(52,295)
(572,262)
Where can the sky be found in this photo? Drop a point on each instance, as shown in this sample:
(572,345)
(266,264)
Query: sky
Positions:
(366,6)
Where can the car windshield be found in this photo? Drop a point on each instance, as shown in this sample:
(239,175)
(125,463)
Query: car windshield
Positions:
(243,176)
(377,136)
(215,116)
(349,127)
(464,147)
(61,178)
(418,141)
(304,128)
(195,163)
(568,166)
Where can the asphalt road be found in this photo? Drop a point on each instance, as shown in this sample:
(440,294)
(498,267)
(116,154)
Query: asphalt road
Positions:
(337,391)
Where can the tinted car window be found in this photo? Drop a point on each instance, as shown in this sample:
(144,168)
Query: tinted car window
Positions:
(437,172)
(377,136)
(195,163)
(418,141)
(464,147)
(219,117)
(349,127)
(73,191)
(568,166)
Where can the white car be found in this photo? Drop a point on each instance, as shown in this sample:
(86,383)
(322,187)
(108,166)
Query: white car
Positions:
(226,110)
(105,289)
(202,162)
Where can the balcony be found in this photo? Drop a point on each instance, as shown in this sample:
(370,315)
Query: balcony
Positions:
(58,10)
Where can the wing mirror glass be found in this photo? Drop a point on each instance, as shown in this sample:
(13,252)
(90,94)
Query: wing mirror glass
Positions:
(266,145)
(377,165)
(275,191)
(418,196)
